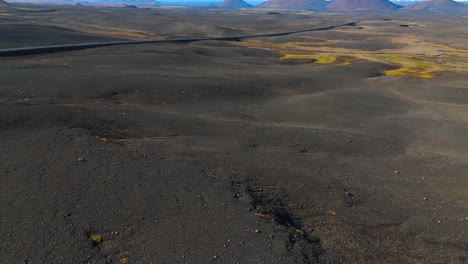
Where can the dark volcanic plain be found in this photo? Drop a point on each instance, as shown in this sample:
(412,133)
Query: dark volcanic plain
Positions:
(313,148)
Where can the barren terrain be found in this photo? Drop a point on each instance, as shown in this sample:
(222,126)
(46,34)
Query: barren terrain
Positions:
(340,146)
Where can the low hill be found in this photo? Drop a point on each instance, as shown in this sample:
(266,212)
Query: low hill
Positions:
(234,4)
(295,4)
(437,5)
(353,5)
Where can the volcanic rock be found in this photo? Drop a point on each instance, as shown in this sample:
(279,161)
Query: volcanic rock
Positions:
(352,5)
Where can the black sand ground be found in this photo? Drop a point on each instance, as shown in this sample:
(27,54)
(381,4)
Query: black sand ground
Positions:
(220,153)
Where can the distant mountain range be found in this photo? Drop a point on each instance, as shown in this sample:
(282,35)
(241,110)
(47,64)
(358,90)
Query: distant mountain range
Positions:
(234,4)
(113,2)
(315,5)
(352,5)
(129,2)
(295,4)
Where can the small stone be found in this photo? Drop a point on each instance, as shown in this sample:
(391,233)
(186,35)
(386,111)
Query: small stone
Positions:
(397,172)
(215,256)
(82,159)
(257,231)
(425,199)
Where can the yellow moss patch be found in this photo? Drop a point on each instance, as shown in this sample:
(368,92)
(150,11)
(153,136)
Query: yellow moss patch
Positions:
(299,231)
(347,62)
(414,58)
(96,238)
(410,66)
(124,260)
(297,56)
(324,59)
(410,72)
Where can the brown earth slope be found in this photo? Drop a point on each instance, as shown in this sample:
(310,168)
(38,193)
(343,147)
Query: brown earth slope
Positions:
(437,5)
(351,5)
